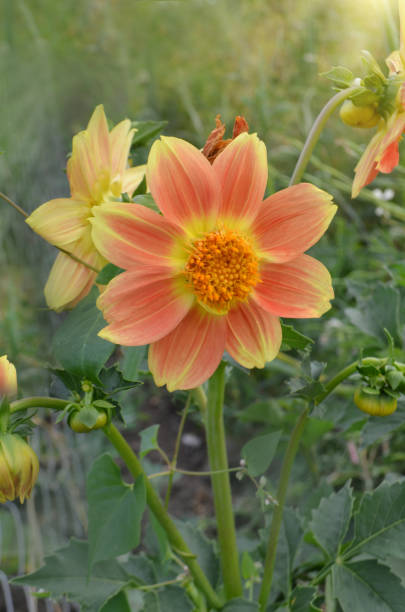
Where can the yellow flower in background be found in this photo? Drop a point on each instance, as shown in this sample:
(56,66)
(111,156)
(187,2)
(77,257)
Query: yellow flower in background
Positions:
(8,377)
(97,172)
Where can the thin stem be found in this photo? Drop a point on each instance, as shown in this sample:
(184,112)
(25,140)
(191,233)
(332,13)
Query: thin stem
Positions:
(156,506)
(278,510)
(315,132)
(25,215)
(191,473)
(80,261)
(13,204)
(336,380)
(176,450)
(221,485)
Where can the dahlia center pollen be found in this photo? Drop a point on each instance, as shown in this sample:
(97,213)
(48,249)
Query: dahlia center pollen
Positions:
(222,269)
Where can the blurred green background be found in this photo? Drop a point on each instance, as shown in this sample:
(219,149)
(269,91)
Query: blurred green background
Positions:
(184,61)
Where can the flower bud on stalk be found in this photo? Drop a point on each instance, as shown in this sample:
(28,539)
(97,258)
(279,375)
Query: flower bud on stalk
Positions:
(8,377)
(19,468)
(359,116)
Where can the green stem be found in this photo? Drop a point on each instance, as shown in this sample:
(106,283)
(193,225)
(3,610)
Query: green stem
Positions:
(156,506)
(315,132)
(336,380)
(221,485)
(278,510)
(176,450)
(38,402)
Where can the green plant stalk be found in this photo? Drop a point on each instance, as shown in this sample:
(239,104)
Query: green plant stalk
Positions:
(156,506)
(336,380)
(284,479)
(315,132)
(221,486)
(278,510)
(38,402)
(176,450)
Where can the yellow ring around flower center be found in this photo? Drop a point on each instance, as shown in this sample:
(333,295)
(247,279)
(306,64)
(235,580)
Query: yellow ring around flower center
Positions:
(222,269)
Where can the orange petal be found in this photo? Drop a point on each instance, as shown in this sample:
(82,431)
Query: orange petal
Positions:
(143,305)
(60,221)
(254,335)
(191,353)
(242,172)
(69,281)
(366,169)
(301,288)
(120,142)
(388,156)
(128,234)
(291,221)
(183,184)
(132,178)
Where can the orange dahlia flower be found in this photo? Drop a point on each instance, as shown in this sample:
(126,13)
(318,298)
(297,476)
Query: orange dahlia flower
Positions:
(216,270)
(97,172)
(382,153)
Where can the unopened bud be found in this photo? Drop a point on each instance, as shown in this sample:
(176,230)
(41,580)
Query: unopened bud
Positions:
(8,377)
(19,468)
(359,116)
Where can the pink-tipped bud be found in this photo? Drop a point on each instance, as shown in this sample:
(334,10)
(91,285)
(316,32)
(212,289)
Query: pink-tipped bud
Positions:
(19,468)
(8,377)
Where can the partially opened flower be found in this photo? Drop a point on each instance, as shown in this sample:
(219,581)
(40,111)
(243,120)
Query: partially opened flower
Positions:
(8,377)
(216,270)
(382,153)
(97,172)
(19,468)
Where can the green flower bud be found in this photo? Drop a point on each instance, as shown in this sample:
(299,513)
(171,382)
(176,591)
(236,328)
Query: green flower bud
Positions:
(76,423)
(376,404)
(359,116)
(19,468)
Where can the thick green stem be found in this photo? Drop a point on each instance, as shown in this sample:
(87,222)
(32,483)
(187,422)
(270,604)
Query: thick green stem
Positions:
(156,506)
(221,486)
(38,402)
(278,510)
(315,132)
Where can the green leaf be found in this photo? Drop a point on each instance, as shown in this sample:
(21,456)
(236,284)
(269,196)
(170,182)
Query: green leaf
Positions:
(376,312)
(145,131)
(76,344)
(379,527)
(171,598)
(202,548)
(294,339)
(340,75)
(240,605)
(259,452)
(65,574)
(301,599)
(149,440)
(109,272)
(290,538)
(115,511)
(119,603)
(131,364)
(330,521)
(367,586)
(147,200)
(377,427)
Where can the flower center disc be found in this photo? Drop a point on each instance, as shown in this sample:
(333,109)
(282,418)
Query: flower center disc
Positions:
(222,269)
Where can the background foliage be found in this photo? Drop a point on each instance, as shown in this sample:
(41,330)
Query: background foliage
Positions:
(185,61)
